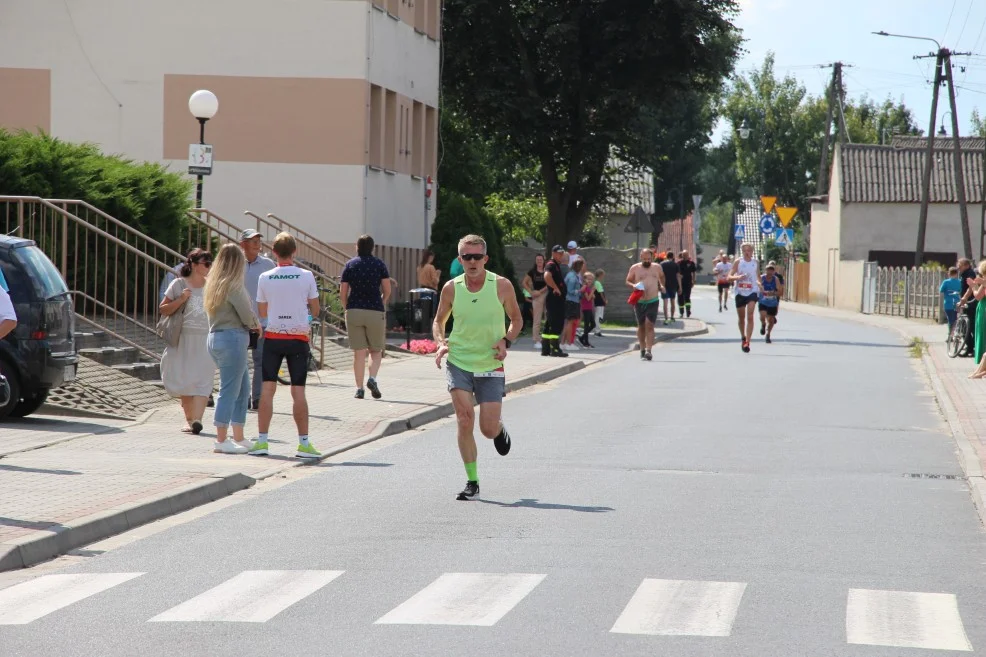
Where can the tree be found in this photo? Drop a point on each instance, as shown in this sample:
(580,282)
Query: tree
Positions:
(457,217)
(870,123)
(978,124)
(521,219)
(564,82)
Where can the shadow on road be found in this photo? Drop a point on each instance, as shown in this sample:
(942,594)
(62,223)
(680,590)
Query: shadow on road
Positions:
(796,342)
(534,504)
(17,468)
(58,425)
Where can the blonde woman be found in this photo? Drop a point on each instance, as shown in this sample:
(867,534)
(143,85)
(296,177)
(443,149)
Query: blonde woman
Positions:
(187,370)
(231,320)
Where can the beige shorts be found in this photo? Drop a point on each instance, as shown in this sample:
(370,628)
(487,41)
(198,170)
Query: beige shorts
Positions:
(367,329)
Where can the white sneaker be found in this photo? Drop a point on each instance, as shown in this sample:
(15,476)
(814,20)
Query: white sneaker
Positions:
(537,345)
(564,347)
(230,446)
(575,346)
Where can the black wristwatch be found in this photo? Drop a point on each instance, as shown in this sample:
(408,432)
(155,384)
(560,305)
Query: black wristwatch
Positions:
(507,342)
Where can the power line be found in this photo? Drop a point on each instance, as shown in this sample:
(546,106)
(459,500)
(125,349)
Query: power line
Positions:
(949,23)
(965,22)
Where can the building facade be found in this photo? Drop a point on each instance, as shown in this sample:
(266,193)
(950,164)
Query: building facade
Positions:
(328,109)
(871,213)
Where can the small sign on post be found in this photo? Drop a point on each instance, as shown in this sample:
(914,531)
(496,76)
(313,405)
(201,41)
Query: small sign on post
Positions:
(767,224)
(200,159)
(740,232)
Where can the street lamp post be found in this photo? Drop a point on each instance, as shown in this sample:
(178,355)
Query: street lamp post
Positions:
(203,105)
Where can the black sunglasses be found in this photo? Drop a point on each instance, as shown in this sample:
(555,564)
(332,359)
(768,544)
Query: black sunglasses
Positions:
(472,256)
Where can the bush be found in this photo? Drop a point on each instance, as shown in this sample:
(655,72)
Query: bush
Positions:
(145,196)
(457,217)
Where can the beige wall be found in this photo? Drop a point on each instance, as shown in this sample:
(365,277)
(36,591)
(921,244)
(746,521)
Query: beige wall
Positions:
(848,291)
(25,99)
(894,227)
(825,232)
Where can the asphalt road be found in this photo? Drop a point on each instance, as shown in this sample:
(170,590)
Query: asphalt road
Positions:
(802,499)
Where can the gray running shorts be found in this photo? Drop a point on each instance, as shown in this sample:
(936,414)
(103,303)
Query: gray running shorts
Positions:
(489,387)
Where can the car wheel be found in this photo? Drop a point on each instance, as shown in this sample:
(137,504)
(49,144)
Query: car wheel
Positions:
(30,403)
(15,389)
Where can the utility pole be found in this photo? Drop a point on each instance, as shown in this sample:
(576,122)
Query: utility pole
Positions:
(929,157)
(957,157)
(835,86)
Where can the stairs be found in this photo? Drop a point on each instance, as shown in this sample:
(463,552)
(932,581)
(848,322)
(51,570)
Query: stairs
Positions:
(102,348)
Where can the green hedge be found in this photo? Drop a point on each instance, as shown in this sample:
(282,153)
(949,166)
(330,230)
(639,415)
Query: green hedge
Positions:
(145,196)
(457,217)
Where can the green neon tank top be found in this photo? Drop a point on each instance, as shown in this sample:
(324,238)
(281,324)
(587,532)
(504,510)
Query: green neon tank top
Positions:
(478,325)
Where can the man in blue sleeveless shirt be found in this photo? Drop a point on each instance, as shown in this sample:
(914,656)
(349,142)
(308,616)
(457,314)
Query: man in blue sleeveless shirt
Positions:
(771,289)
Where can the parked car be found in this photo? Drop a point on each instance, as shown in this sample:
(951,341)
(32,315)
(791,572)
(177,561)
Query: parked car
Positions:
(39,354)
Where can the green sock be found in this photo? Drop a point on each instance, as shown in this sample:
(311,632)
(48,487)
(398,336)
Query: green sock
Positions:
(471,471)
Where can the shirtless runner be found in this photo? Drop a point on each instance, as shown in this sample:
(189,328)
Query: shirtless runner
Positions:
(650,280)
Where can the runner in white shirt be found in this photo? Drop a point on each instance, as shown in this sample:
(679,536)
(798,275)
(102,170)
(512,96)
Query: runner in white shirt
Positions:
(286,297)
(8,318)
(721,271)
(746,274)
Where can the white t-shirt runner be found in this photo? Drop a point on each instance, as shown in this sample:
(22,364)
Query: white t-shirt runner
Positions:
(286,291)
(750,283)
(721,271)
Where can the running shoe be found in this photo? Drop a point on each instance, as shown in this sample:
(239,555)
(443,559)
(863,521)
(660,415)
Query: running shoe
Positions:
(374,388)
(360,393)
(259,449)
(648,355)
(768,339)
(537,345)
(763,328)
(229,447)
(746,347)
(643,354)
(502,442)
(470,491)
(307,452)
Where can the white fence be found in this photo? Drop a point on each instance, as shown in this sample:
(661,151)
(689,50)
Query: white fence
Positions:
(903,292)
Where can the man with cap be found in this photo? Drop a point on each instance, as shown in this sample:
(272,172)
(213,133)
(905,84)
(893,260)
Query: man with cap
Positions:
(256,265)
(573,254)
(554,304)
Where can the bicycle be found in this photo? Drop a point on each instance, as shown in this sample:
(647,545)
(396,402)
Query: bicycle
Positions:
(956,338)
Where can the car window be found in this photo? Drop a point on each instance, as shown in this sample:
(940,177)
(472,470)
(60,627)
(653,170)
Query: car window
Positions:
(30,275)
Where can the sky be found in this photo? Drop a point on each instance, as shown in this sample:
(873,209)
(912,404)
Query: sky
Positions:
(806,33)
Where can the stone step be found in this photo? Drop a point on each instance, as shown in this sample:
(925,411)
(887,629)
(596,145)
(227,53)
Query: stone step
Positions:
(143,371)
(91,339)
(112,355)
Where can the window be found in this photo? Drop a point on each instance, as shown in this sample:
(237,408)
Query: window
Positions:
(431,141)
(390,140)
(417,139)
(376,126)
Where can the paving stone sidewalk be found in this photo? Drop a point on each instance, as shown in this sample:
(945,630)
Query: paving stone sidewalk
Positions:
(61,491)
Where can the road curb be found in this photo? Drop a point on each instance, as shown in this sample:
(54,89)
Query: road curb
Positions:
(33,549)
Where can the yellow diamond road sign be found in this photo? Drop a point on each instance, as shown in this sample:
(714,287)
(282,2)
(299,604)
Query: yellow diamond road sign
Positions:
(786,215)
(768,203)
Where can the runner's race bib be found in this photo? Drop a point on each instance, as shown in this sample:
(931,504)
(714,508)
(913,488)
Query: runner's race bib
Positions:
(495,374)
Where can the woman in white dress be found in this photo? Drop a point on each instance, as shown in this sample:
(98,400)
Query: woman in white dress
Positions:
(188,370)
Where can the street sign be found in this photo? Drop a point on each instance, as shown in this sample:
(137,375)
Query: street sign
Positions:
(639,222)
(740,232)
(786,215)
(200,159)
(697,201)
(768,203)
(784,237)
(767,224)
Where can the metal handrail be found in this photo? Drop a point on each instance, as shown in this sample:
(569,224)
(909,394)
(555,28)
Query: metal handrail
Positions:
(309,242)
(130,229)
(310,238)
(136,345)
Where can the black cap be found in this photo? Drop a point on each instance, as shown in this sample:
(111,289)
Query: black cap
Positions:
(558,248)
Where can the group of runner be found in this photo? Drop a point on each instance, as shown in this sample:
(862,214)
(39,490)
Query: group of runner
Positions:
(750,289)
(478,300)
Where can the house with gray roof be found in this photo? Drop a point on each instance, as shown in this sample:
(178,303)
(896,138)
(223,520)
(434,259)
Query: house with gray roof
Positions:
(871,211)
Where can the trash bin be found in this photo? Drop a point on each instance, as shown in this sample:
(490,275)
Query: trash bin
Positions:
(422,309)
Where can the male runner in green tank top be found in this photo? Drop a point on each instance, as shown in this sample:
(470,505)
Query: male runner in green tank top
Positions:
(478,300)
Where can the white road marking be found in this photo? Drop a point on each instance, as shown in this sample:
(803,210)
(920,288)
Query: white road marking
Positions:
(253,596)
(22,603)
(901,619)
(464,599)
(681,608)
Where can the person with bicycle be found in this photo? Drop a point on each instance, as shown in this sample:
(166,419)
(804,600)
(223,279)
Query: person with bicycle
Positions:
(286,297)
(364,292)
(967,304)
(951,290)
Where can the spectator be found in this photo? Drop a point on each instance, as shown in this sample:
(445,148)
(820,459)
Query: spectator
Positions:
(586,305)
(256,264)
(537,289)
(573,297)
(187,370)
(428,276)
(951,288)
(364,294)
(599,301)
(231,319)
(456,269)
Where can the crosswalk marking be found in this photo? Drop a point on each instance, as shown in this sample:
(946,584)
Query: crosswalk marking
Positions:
(905,620)
(681,608)
(28,601)
(253,596)
(464,599)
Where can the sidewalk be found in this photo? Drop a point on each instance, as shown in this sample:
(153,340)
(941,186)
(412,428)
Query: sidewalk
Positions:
(962,401)
(65,490)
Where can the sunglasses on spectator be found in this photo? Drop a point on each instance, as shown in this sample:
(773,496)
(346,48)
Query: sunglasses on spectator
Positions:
(207,263)
(472,256)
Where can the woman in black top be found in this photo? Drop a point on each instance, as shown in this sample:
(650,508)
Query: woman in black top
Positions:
(535,289)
